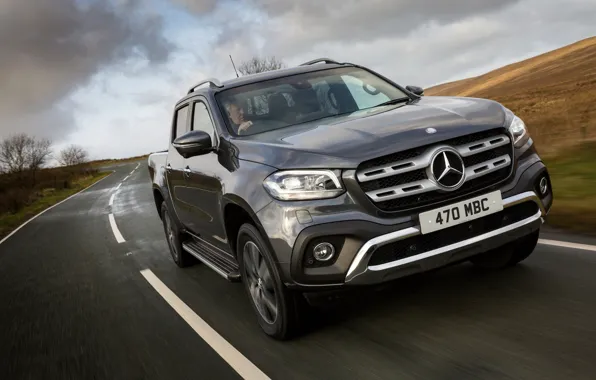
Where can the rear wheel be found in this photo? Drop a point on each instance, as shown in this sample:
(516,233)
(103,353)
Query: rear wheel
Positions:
(277,308)
(507,255)
(174,238)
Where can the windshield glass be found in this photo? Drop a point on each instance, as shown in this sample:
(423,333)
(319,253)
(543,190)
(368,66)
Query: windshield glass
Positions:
(283,102)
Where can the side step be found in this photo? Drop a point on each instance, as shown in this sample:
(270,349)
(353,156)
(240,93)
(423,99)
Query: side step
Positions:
(221,263)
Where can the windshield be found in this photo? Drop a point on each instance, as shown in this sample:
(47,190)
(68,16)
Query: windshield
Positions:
(283,102)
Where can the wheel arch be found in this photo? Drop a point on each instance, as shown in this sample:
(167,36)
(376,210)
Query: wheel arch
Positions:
(158,198)
(236,212)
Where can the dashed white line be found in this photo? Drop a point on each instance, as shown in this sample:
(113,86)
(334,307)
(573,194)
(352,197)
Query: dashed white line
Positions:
(584,247)
(139,164)
(115,230)
(112,199)
(49,208)
(132,172)
(124,180)
(245,368)
(118,187)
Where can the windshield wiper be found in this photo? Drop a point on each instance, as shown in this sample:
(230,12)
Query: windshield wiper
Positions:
(394,101)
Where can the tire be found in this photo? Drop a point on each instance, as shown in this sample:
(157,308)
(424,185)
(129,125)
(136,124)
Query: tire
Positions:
(174,239)
(263,285)
(507,255)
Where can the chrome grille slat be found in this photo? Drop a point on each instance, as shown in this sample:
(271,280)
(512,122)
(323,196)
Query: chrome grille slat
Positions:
(484,152)
(482,145)
(399,192)
(492,166)
(422,161)
(404,166)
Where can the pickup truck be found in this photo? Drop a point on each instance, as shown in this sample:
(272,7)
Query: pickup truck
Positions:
(329,176)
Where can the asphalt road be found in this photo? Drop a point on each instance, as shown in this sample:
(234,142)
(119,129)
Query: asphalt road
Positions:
(75,305)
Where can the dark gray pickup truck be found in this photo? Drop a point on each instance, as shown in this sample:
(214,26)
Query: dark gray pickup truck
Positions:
(329,176)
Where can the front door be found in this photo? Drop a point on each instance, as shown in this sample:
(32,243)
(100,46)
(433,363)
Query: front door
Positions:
(203,191)
(175,162)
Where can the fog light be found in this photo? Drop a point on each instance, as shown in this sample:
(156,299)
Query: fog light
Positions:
(543,186)
(323,251)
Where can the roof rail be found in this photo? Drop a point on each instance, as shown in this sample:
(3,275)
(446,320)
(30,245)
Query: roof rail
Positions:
(326,60)
(214,82)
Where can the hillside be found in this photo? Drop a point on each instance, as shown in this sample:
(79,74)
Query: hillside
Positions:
(554,93)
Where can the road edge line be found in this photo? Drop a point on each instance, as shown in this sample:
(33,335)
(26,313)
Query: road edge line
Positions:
(51,207)
(244,367)
(565,244)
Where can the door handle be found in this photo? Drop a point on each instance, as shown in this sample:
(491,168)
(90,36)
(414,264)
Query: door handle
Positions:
(187,172)
(169,167)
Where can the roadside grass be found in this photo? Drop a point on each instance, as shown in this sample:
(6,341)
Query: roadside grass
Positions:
(45,198)
(573,176)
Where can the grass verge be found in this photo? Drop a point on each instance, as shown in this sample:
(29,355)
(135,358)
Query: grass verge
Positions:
(49,197)
(573,177)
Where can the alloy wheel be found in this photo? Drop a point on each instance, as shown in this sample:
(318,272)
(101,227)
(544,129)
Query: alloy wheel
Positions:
(260,283)
(171,235)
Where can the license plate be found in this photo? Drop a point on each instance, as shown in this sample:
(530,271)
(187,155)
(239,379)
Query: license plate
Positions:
(461,212)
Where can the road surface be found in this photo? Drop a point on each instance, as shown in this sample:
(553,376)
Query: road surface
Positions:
(88,290)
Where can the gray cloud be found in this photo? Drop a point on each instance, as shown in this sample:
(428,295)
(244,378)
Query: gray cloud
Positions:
(198,6)
(413,41)
(50,48)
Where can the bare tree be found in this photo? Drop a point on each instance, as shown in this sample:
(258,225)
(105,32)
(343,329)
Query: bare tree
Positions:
(22,152)
(41,152)
(73,155)
(258,65)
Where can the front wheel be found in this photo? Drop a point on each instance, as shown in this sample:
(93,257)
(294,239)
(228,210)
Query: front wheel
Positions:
(507,255)
(277,308)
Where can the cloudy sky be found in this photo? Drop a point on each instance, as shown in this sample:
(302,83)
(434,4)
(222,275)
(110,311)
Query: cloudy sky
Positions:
(105,74)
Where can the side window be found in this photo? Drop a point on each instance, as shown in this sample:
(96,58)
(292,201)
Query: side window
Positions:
(181,121)
(363,98)
(201,120)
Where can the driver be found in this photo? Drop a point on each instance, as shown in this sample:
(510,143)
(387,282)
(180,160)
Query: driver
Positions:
(236,114)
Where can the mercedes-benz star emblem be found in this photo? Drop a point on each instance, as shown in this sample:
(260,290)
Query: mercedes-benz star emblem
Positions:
(430,131)
(447,169)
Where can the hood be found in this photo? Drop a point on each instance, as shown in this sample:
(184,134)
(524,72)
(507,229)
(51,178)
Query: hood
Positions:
(346,141)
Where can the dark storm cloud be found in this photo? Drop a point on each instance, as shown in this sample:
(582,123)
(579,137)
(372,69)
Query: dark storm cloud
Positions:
(49,48)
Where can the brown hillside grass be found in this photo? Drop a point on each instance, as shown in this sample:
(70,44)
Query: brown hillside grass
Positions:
(554,93)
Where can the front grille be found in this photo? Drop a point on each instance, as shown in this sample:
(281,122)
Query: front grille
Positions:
(399,181)
(424,243)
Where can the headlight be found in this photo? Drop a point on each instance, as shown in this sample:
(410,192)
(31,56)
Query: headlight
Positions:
(303,184)
(519,132)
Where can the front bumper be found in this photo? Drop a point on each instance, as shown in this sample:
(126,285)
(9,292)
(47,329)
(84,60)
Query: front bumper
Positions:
(360,272)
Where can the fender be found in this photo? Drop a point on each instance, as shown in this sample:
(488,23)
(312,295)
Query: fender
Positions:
(238,201)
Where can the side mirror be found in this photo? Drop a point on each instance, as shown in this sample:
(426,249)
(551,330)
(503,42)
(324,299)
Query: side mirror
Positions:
(193,143)
(416,90)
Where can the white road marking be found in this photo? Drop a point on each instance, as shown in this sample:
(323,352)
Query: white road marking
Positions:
(115,230)
(124,180)
(245,368)
(117,187)
(112,199)
(51,207)
(584,247)
(139,164)
(132,172)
